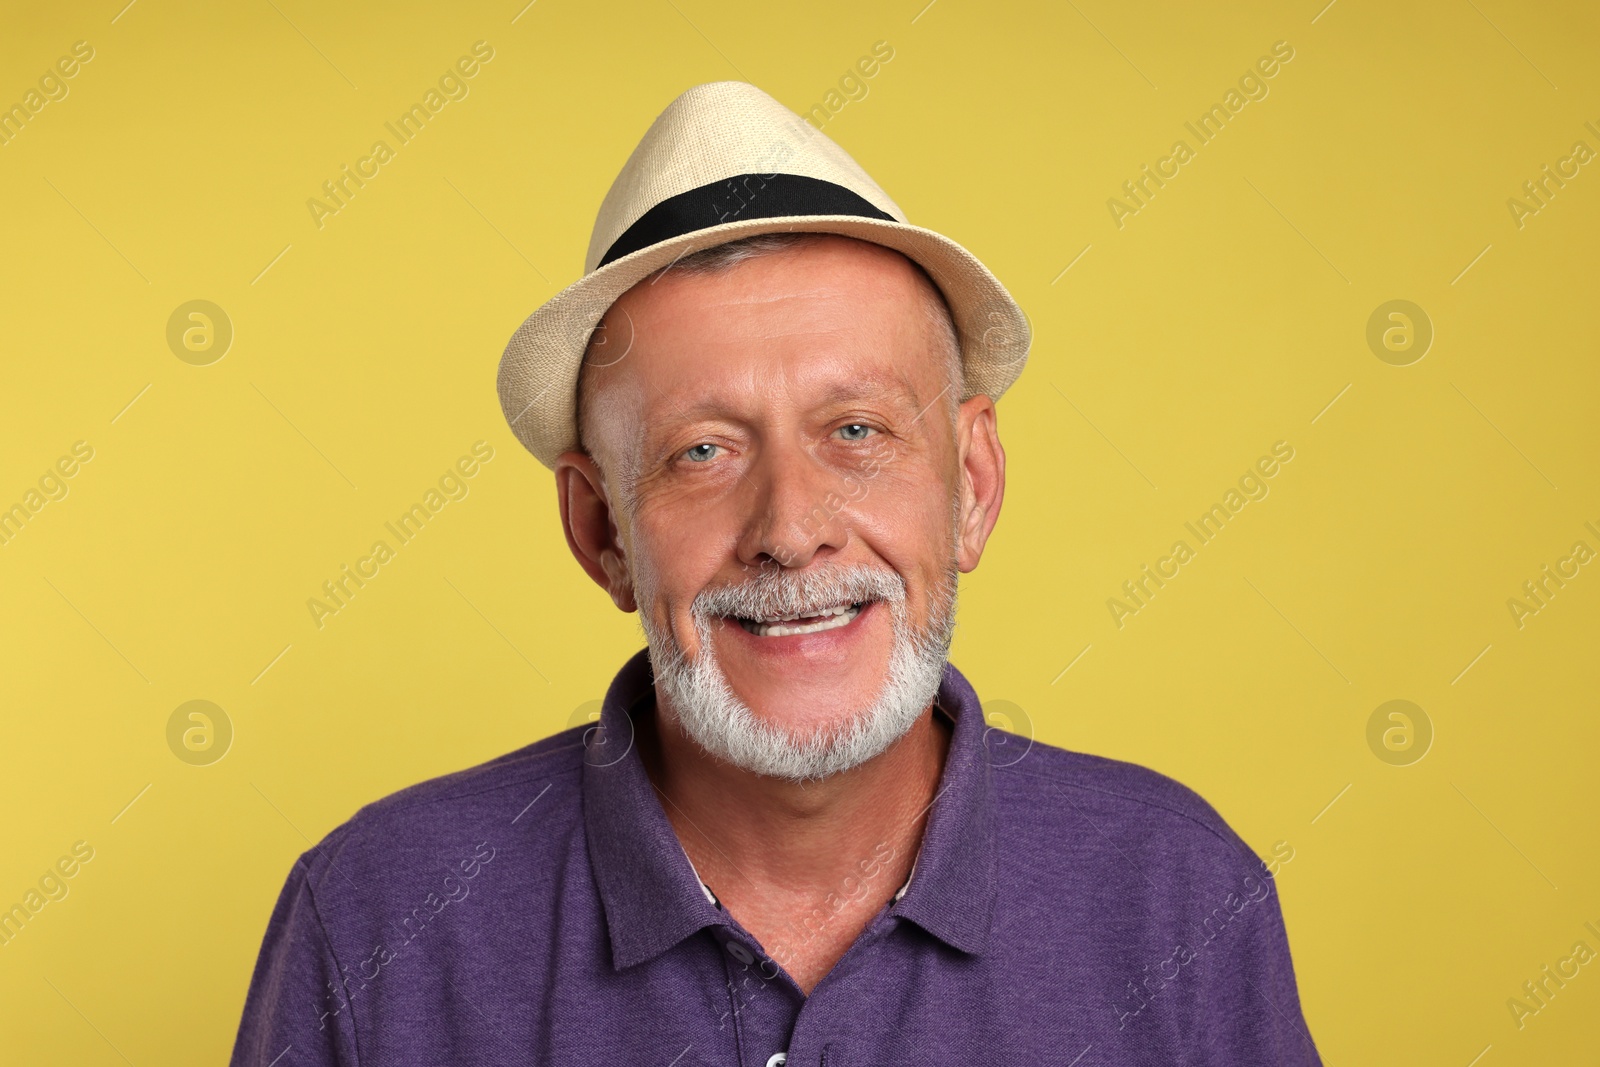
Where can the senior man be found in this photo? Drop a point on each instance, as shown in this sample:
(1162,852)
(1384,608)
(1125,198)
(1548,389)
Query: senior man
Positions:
(791,838)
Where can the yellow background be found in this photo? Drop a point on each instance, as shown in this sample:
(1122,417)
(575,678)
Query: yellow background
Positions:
(1223,317)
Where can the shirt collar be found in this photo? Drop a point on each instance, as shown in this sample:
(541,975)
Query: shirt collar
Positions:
(952,889)
(651,895)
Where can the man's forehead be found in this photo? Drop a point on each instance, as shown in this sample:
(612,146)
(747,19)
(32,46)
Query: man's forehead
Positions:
(735,391)
(824,270)
(838,352)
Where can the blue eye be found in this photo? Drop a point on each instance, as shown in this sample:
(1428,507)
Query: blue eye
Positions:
(856,431)
(701,452)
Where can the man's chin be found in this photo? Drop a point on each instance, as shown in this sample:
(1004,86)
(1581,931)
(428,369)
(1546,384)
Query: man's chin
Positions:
(808,712)
(812,749)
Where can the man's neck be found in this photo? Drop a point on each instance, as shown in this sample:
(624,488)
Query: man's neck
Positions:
(803,867)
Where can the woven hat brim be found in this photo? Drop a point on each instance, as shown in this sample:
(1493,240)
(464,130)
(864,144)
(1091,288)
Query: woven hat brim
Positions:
(538,374)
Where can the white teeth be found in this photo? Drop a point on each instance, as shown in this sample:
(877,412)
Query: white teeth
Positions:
(827,619)
(840,610)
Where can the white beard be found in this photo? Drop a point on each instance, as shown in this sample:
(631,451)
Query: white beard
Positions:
(725,726)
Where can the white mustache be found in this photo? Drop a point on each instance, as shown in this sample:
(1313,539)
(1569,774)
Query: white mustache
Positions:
(791,594)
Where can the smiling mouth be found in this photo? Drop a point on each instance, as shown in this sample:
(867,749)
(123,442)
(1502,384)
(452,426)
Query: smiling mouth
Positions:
(791,625)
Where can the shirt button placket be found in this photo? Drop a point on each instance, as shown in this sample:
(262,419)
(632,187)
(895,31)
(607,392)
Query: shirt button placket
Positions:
(752,1015)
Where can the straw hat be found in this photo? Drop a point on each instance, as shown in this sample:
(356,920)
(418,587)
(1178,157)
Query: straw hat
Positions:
(726,161)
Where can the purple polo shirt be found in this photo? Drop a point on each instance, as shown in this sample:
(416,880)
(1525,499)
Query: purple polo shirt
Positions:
(538,909)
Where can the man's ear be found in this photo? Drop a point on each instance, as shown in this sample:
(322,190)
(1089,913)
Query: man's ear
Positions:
(982,477)
(591,529)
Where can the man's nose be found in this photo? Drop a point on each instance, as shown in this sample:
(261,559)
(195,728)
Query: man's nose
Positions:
(797,512)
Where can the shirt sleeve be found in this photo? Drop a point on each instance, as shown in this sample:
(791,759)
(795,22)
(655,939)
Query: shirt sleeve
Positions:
(1256,1018)
(297,1013)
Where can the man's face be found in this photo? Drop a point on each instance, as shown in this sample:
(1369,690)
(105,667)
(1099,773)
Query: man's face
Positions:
(785,416)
